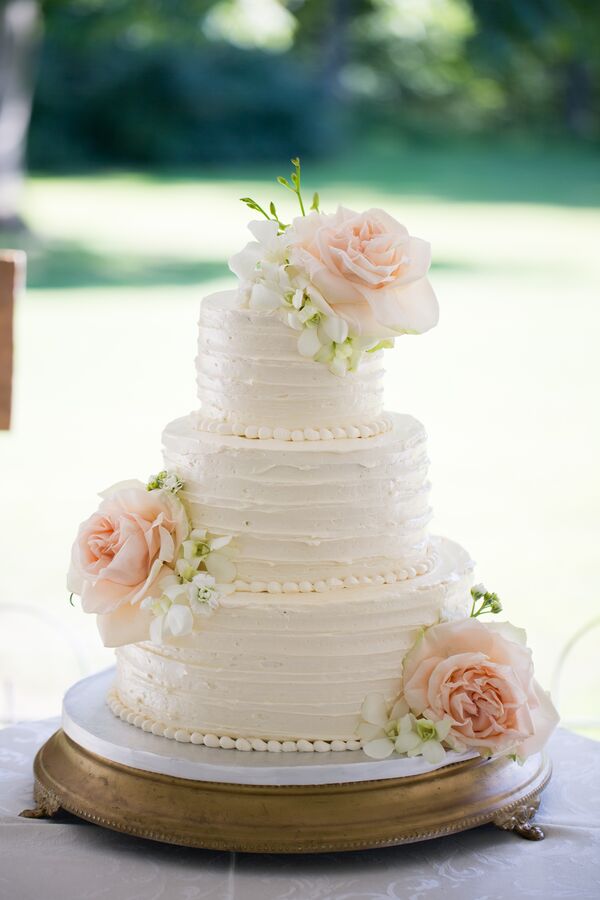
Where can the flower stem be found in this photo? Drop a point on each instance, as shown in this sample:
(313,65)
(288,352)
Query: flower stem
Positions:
(489,602)
(252,204)
(296,180)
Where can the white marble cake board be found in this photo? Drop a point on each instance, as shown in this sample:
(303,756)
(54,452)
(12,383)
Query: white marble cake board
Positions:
(88,721)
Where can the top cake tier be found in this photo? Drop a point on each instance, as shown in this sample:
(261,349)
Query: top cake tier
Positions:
(250,374)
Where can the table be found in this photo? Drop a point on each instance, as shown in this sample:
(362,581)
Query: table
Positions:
(68,859)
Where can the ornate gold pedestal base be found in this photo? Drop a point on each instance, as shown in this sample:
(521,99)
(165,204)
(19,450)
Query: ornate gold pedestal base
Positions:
(288,819)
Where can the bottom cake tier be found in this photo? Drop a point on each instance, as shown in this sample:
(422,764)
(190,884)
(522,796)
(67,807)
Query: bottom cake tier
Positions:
(287,672)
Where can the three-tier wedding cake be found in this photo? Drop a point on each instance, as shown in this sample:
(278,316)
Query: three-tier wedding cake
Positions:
(276,587)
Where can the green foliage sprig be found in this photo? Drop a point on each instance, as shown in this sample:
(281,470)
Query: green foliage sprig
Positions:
(296,189)
(256,207)
(488,601)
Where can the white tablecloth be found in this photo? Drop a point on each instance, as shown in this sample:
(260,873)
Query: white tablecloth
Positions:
(72,860)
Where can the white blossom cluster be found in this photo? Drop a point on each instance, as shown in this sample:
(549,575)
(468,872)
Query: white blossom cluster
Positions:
(190,590)
(270,282)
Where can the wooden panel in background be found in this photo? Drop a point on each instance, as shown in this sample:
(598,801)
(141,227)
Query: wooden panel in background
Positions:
(12,275)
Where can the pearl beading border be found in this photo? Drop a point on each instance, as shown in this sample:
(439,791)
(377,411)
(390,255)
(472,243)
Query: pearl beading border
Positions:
(224,742)
(332,584)
(266,433)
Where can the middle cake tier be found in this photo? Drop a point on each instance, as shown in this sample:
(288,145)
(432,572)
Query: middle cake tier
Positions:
(310,516)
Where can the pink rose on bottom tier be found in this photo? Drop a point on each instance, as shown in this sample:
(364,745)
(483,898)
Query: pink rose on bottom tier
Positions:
(120,553)
(481,677)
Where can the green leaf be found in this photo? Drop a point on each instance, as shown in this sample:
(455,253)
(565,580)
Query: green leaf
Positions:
(252,204)
(315,202)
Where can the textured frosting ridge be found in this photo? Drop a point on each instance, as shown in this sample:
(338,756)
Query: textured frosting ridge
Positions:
(249,370)
(266,433)
(309,512)
(289,668)
(223,741)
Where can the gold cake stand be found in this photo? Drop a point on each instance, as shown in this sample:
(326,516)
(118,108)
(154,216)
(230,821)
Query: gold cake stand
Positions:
(290,818)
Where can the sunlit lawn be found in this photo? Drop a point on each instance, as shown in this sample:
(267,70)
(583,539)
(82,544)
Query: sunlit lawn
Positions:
(507,385)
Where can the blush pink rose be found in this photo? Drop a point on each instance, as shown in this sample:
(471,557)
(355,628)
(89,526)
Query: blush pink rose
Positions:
(369,270)
(122,550)
(481,676)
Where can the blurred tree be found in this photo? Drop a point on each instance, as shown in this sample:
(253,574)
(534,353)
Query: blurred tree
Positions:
(252,24)
(409,71)
(18,38)
(160,83)
(546,53)
(182,82)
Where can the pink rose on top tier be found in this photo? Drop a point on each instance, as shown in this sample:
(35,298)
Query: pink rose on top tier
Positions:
(481,676)
(369,269)
(120,553)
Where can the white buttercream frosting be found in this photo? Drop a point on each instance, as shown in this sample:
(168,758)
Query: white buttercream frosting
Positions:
(289,668)
(249,371)
(327,501)
(223,741)
(309,512)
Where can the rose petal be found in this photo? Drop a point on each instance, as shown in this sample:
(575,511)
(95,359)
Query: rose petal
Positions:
(132,483)
(367,732)
(126,625)
(325,354)
(339,366)
(218,543)
(173,590)
(335,288)
(318,301)
(294,322)
(374,710)
(243,264)
(388,223)
(433,752)
(443,728)
(167,545)
(335,328)
(308,342)
(406,723)
(379,749)
(264,230)
(419,253)
(399,709)
(407,741)
(410,308)
(509,632)
(179,620)
(220,567)
(156,630)
(545,719)
(263,298)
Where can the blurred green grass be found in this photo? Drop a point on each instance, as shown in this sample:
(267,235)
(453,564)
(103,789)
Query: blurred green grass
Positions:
(133,229)
(507,384)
